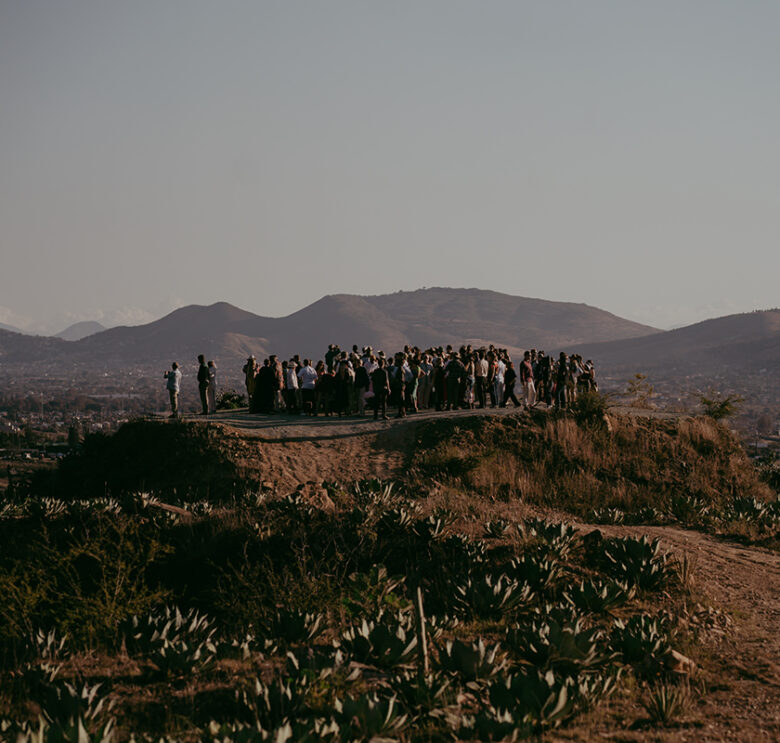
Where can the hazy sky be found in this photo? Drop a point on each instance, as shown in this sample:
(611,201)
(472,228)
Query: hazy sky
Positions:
(153,154)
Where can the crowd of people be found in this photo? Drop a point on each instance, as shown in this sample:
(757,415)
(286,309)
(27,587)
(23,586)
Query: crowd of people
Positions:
(347,383)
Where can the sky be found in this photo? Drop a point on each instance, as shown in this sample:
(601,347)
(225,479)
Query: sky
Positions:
(159,153)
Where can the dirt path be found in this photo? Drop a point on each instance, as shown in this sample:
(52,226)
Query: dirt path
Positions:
(740,668)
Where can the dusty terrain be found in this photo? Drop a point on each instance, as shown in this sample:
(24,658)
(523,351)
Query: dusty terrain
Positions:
(735,599)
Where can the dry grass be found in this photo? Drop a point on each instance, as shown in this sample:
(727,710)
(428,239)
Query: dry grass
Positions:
(552,461)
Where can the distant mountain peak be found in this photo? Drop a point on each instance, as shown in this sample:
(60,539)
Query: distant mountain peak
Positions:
(80,330)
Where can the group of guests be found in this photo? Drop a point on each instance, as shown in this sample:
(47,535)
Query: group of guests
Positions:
(443,378)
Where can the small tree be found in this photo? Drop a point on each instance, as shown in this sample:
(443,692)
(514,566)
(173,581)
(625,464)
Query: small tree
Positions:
(718,406)
(639,391)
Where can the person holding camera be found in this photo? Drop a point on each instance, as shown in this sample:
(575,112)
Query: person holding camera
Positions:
(173,384)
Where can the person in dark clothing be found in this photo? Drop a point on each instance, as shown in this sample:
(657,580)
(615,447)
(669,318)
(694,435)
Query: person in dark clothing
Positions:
(381,386)
(326,391)
(362,383)
(264,388)
(455,374)
(563,378)
(203,383)
(510,377)
(399,387)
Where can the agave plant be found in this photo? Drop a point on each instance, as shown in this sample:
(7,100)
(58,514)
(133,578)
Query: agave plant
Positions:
(388,642)
(642,641)
(637,561)
(497,528)
(176,643)
(559,538)
(566,647)
(490,723)
(422,693)
(540,698)
(70,731)
(590,688)
(599,596)
(473,661)
(689,509)
(606,516)
(539,572)
(490,597)
(65,706)
(430,528)
(48,646)
(270,705)
(294,626)
(370,717)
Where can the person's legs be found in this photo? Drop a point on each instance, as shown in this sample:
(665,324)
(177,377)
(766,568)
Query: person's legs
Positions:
(174,395)
(203,401)
(530,393)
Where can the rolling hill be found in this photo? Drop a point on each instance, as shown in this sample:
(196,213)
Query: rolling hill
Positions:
(750,341)
(424,317)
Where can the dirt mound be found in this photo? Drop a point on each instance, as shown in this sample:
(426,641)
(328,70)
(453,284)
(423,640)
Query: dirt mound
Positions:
(187,460)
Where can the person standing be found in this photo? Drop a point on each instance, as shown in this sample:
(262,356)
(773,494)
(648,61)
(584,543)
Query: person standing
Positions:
(173,384)
(380,383)
(481,374)
(250,372)
(527,380)
(203,383)
(307,376)
(212,391)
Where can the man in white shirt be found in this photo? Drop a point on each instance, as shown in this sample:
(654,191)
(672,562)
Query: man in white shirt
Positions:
(307,377)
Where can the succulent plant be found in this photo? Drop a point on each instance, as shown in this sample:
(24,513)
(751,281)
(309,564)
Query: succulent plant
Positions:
(70,731)
(590,688)
(294,626)
(369,717)
(559,538)
(490,596)
(566,647)
(497,528)
(48,646)
(637,561)
(541,698)
(490,723)
(422,693)
(606,516)
(388,642)
(539,572)
(642,642)
(472,661)
(176,643)
(599,596)
(270,705)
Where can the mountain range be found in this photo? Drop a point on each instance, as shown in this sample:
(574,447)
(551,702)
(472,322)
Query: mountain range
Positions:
(425,317)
